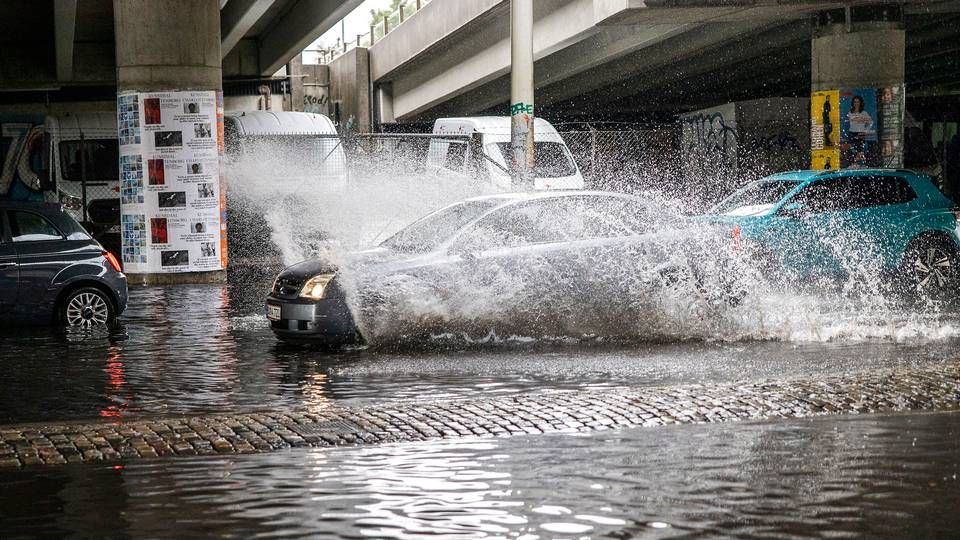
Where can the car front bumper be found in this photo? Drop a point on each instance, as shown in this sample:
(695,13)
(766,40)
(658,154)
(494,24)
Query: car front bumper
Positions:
(326,321)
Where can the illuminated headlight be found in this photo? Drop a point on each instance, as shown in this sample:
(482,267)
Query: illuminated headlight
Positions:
(315,286)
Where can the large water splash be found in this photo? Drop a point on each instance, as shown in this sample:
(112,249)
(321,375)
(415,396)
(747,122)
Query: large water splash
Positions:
(682,282)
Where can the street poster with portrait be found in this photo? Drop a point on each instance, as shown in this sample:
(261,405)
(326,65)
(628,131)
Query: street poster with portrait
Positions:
(858,128)
(171,191)
(825,130)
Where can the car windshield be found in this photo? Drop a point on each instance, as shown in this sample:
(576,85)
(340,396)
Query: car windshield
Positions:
(757,198)
(432,231)
(552,159)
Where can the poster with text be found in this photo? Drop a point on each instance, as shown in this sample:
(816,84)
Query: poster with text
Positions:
(891,112)
(171,190)
(825,130)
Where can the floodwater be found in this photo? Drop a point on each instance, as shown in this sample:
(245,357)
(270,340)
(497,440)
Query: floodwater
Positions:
(841,477)
(204,349)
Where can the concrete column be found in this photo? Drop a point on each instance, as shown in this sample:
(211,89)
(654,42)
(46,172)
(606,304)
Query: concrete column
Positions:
(857,85)
(167,45)
(521,92)
(170,46)
(350,87)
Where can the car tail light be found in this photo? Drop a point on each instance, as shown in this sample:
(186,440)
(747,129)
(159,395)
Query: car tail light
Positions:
(735,234)
(112,260)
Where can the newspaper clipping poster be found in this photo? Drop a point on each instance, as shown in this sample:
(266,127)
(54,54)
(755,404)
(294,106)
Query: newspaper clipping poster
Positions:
(171,192)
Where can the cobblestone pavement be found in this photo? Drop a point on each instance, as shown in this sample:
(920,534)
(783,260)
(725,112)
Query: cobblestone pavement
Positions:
(22,445)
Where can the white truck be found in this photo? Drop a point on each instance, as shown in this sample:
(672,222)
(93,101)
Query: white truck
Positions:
(480,146)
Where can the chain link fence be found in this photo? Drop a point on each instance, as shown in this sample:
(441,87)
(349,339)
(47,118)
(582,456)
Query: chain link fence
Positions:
(625,157)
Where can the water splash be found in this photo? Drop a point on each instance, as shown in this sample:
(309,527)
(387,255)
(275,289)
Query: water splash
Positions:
(684,281)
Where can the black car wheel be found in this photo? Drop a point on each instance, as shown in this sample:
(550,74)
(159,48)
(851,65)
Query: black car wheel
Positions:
(930,268)
(85,308)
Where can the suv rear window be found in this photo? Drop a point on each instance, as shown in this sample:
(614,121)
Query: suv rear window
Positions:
(852,192)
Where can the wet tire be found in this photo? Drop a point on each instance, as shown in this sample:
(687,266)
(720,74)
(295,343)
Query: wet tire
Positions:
(930,269)
(86,307)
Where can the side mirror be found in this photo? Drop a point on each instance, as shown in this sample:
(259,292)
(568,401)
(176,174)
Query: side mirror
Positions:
(793,210)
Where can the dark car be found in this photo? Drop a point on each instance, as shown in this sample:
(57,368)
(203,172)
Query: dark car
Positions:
(547,263)
(53,271)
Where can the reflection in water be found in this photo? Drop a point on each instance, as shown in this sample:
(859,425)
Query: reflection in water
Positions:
(208,349)
(875,476)
(115,389)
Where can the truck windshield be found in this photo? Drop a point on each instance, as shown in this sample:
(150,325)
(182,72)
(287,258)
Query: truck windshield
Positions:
(102,156)
(755,199)
(552,159)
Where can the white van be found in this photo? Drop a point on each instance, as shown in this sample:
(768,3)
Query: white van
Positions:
(306,144)
(481,146)
(96,134)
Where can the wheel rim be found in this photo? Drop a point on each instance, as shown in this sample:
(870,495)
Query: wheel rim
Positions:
(932,268)
(86,310)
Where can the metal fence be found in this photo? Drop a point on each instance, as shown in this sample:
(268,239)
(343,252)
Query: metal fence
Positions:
(625,157)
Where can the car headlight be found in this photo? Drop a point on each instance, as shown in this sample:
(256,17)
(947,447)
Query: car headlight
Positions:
(315,286)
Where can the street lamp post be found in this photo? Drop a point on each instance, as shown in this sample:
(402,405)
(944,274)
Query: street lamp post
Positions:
(521,92)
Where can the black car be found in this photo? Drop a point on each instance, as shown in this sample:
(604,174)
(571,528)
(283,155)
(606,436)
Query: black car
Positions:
(53,271)
(546,263)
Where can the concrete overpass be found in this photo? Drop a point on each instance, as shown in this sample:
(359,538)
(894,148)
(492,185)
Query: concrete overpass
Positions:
(612,58)
(67,49)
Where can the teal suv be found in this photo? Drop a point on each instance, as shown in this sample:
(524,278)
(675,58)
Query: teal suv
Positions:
(812,224)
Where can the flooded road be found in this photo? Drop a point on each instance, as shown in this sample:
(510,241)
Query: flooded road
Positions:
(856,476)
(208,349)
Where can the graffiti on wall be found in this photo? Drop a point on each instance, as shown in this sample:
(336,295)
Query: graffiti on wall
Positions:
(316,103)
(709,144)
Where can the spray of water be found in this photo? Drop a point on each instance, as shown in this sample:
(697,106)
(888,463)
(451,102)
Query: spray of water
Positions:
(677,280)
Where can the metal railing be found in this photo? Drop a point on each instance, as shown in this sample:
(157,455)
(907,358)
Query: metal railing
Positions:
(376,32)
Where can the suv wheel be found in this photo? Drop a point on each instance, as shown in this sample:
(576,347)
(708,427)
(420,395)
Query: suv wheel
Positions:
(930,267)
(85,308)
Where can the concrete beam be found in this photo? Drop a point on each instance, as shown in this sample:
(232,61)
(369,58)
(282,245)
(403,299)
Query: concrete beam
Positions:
(65,26)
(434,29)
(236,19)
(297,28)
(483,54)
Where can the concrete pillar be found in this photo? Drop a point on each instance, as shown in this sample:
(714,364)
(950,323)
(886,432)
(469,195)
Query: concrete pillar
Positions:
(521,92)
(170,117)
(350,87)
(857,95)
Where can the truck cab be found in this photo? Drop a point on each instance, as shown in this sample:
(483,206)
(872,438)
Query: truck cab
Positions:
(84,152)
(480,146)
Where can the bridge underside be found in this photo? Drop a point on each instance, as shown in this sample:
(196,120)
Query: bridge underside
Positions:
(641,63)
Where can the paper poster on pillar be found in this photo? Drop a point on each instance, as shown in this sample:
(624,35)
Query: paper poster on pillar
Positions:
(171,190)
(825,130)
(858,128)
(891,113)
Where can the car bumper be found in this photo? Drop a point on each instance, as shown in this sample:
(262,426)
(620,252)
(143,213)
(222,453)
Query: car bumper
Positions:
(321,321)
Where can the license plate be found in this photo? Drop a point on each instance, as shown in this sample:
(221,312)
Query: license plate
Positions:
(273,312)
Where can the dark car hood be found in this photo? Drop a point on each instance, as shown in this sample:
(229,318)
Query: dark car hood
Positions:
(373,260)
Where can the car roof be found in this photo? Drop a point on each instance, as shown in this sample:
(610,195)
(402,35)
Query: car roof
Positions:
(37,206)
(806,175)
(546,194)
